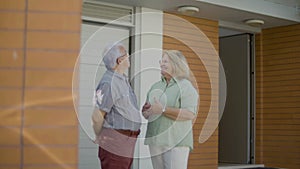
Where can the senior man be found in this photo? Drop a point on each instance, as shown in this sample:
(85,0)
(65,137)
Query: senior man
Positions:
(117,103)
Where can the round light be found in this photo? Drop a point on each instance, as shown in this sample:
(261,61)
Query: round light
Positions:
(254,22)
(188,10)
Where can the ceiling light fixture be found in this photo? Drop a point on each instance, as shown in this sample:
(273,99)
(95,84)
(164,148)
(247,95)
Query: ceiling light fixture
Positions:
(188,10)
(254,22)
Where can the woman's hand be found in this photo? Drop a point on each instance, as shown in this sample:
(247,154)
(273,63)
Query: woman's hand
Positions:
(157,107)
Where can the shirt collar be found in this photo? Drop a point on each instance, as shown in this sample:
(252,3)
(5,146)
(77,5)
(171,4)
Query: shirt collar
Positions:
(116,74)
(172,81)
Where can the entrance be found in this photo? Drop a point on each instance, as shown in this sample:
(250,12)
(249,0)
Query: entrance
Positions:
(236,127)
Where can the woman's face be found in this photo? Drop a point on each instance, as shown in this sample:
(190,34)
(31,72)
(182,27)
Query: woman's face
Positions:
(165,66)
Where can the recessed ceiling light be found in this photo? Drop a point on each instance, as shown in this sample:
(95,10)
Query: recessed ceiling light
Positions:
(254,22)
(188,10)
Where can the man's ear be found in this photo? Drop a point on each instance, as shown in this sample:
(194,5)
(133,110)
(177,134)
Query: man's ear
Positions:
(118,61)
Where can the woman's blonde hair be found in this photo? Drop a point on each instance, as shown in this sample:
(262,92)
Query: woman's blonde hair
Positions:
(180,66)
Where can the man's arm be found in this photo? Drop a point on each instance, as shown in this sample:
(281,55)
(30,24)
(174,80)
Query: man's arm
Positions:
(98,119)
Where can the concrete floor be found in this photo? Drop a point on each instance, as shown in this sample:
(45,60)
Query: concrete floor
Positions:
(238,166)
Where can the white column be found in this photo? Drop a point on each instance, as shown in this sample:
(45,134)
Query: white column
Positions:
(148,51)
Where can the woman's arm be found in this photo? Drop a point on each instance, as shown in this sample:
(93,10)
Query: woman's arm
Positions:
(170,112)
(178,114)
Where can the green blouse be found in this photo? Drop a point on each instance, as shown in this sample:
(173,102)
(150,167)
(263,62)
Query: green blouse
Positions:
(163,131)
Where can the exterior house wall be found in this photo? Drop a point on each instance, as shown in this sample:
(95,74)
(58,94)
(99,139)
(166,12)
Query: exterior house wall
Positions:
(278,97)
(39,45)
(178,35)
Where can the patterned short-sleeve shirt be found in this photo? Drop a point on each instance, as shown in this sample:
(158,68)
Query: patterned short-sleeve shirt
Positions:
(115,96)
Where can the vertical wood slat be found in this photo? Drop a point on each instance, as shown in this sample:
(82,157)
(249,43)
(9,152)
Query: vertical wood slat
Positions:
(277,97)
(12,26)
(204,155)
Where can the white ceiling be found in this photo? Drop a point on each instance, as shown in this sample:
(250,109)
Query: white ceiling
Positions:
(273,12)
(290,3)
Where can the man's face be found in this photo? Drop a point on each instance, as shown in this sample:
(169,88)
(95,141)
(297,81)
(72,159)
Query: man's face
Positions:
(123,60)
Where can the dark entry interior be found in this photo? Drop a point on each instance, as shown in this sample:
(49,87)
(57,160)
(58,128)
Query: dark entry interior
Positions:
(236,125)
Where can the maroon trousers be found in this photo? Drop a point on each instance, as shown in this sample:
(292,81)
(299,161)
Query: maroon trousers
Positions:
(116,148)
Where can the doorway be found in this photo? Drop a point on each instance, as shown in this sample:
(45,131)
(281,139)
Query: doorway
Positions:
(94,38)
(236,127)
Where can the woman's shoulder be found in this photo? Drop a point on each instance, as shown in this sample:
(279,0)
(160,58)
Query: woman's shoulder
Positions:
(184,82)
(157,84)
(187,85)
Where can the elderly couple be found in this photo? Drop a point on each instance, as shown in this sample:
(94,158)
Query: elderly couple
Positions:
(170,108)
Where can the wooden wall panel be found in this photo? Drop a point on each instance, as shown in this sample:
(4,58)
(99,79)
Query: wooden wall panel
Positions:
(39,45)
(277,97)
(11,77)
(204,155)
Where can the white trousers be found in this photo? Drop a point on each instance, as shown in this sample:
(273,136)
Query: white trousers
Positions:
(166,158)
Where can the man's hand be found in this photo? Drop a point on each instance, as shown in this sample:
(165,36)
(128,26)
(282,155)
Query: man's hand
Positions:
(146,106)
(146,110)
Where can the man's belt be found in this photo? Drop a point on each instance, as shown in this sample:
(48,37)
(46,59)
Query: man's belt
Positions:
(129,133)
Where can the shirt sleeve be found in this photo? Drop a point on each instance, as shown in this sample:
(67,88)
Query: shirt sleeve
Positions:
(103,97)
(189,98)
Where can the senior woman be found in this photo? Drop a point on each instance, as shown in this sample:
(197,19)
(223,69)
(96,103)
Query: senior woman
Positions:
(170,108)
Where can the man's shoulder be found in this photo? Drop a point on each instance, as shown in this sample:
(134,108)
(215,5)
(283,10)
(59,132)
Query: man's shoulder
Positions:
(106,79)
